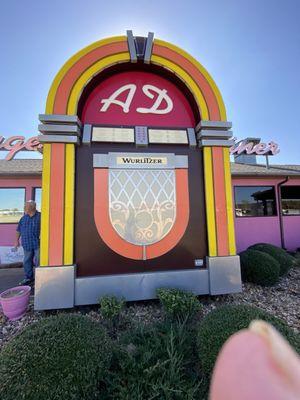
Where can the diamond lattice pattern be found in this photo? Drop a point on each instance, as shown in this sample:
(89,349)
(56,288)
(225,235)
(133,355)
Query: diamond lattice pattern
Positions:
(142,204)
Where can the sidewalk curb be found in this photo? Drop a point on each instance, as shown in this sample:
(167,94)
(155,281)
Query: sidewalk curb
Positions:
(11,266)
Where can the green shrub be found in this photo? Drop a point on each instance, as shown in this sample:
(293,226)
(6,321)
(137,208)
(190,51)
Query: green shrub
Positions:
(221,323)
(111,307)
(259,267)
(297,259)
(60,357)
(156,362)
(178,304)
(284,259)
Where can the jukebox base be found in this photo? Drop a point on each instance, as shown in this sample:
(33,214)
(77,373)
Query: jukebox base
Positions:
(57,287)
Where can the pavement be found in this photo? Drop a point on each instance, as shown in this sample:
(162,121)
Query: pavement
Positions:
(10,277)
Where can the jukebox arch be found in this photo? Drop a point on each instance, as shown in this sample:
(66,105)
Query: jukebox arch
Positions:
(61,130)
(120,218)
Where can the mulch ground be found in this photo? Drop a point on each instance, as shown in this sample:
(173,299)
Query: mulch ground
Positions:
(282,300)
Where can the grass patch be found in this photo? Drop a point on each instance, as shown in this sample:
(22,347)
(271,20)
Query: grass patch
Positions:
(158,363)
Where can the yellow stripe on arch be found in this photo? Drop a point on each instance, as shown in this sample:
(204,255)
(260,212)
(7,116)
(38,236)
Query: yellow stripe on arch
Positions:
(229,205)
(188,80)
(210,202)
(65,68)
(69,204)
(44,247)
(89,74)
(203,71)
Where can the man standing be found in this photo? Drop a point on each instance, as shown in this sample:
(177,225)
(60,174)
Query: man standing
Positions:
(29,231)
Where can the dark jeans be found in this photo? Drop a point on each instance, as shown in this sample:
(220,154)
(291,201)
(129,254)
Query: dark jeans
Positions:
(31,257)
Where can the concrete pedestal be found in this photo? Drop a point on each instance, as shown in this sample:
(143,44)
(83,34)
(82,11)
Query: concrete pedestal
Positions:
(58,287)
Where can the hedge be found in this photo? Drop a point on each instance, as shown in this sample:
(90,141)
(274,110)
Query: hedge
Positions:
(286,261)
(59,357)
(221,323)
(259,267)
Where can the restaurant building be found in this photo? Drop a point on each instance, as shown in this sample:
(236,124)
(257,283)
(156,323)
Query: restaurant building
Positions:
(266,202)
(138,191)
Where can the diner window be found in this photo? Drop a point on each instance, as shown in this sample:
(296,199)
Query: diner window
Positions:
(255,201)
(11,204)
(290,200)
(37,195)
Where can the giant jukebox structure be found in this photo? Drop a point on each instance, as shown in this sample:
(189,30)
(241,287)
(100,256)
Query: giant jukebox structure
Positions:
(136,177)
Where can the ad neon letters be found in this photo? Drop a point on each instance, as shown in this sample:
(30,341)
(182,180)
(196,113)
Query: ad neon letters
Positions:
(147,90)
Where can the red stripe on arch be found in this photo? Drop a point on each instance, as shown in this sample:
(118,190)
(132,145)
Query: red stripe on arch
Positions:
(204,86)
(68,81)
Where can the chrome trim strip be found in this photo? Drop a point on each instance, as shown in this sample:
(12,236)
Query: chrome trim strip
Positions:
(87,134)
(58,139)
(223,143)
(148,50)
(131,46)
(48,129)
(59,118)
(225,125)
(214,134)
(192,137)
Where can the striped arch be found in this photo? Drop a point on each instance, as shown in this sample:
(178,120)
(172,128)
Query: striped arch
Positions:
(63,98)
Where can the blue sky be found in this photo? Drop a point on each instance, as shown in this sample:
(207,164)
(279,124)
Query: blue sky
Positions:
(12,198)
(251,49)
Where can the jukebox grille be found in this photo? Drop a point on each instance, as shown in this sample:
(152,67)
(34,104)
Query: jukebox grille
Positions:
(142,204)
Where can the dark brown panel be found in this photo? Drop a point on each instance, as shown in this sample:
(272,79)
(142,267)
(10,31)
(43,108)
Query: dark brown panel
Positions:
(92,255)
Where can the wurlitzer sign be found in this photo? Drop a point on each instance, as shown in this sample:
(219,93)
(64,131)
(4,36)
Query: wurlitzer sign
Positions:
(14,144)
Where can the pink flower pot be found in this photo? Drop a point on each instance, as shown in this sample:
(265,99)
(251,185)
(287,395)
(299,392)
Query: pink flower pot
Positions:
(15,301)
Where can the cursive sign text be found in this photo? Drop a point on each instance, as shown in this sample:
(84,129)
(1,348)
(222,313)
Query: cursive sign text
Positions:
(14,144)
(260,149)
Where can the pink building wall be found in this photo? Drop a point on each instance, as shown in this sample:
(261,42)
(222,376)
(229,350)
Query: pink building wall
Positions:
(291,224)
(8,231)
(250,230)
